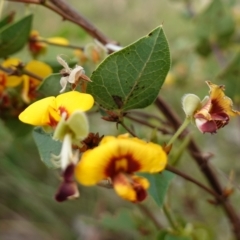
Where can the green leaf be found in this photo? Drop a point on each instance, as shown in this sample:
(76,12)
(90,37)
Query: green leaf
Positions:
(6,20)
(132,77)
(46,146)
(159,184)
(15,36)
(50,86)
(230,78)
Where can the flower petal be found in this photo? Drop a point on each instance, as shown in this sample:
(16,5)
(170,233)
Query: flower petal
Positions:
(73,101)
(58,40)
(37,114)
(76,124)
(12,81)
(119,155)
(131,188)
(41,69)
(75,74)
(220,102)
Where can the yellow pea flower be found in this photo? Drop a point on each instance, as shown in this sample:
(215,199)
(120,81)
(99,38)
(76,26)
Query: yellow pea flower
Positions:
(118,159)
(48,111)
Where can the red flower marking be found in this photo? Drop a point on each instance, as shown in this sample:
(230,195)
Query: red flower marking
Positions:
(131,166)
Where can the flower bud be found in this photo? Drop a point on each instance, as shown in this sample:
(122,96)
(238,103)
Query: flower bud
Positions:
(190,103)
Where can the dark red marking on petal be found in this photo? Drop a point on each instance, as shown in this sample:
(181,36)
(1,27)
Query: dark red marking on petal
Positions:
(129,181)
(52,122)
(132,165)
(62,110)
(140,192)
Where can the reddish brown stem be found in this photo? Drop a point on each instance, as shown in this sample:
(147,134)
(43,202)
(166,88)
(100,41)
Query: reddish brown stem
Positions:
(81,21)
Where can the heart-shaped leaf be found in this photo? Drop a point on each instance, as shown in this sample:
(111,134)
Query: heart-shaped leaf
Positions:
(132,77)
(15,36)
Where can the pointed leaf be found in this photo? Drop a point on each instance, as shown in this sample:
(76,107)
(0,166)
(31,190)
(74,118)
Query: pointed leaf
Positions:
(46,146)
(50,86)
(159,184)
(15,36)
(132,77)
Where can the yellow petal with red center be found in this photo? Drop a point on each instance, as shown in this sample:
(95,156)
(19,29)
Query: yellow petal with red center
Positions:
(37,114)
(12,81)
(116,155)
(219,100)
(72,101)
(41,69)
(58,40)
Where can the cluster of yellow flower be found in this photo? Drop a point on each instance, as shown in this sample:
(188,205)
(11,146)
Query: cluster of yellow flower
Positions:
(113,159)
(29,84)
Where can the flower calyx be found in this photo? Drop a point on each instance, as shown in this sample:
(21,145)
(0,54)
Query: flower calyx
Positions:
(73,76)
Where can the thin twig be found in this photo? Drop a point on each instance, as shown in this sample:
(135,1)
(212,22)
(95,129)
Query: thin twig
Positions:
(20,72)
(145,123)
(128,129)
(81,21)
(58,44)
(190,179)
(147,115)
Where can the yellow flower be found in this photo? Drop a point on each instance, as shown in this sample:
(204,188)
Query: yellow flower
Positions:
(215,110)
(118,159)
(29,83)
(38,45)
(48,111)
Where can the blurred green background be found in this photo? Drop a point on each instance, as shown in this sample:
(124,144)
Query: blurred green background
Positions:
(204,44)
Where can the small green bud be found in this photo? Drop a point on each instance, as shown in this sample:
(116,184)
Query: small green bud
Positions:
(191,103)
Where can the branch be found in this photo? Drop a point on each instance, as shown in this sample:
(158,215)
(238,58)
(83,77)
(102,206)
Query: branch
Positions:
(63,9)
(145,123)
(58,44)
(19,71)
(77,18)
(190,179)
